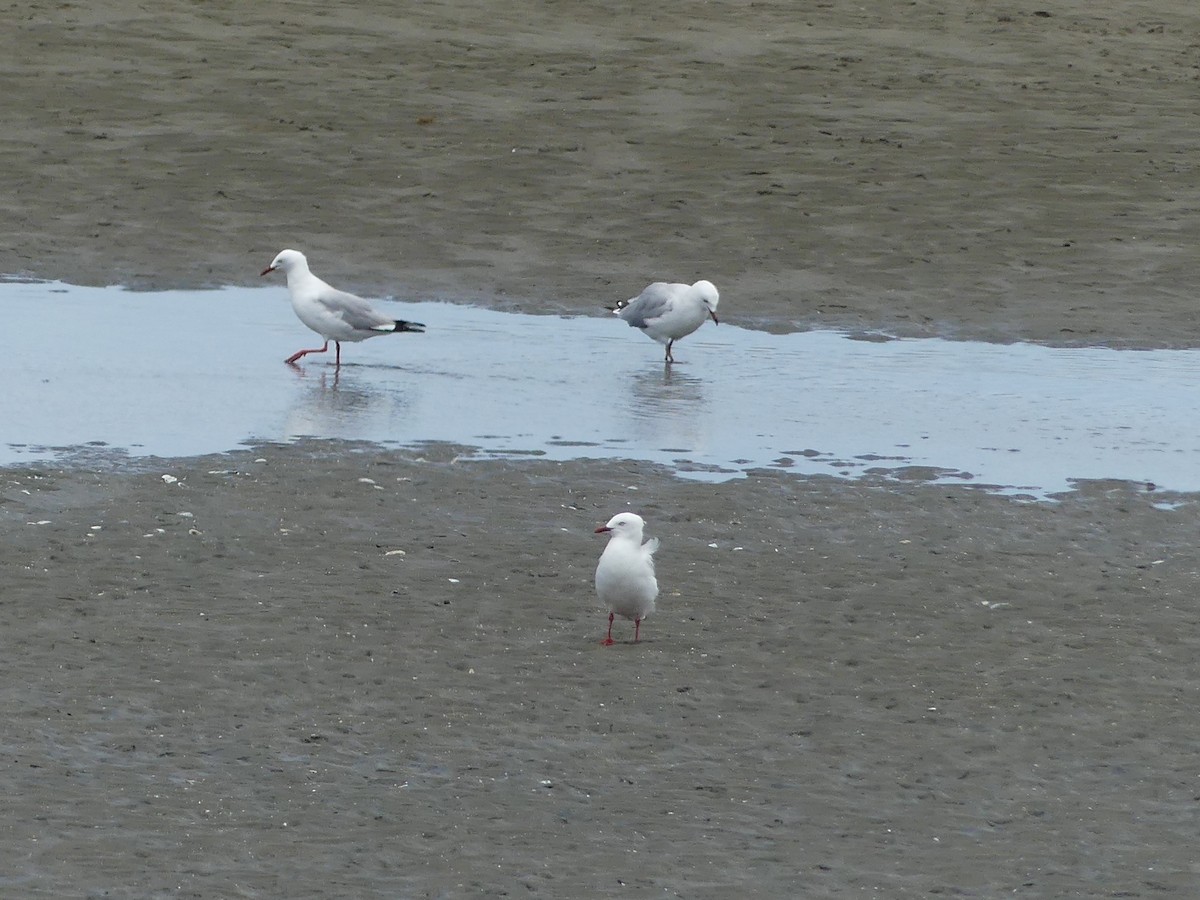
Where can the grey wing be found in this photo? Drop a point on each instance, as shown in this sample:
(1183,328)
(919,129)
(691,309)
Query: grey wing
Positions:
(650,304)
(354,311)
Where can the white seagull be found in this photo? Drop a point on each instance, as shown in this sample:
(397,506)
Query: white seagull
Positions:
(668,312)
(625,579)
(333,314)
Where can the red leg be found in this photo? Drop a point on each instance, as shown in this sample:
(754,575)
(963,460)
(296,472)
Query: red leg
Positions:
(608,641)
(637,630)
(299,353)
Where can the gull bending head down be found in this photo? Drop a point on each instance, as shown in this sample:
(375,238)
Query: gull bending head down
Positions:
(668,312)
(625,579)
(333,314)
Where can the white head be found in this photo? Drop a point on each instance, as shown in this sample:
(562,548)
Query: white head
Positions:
(707,292)
(287,261)
(624,524)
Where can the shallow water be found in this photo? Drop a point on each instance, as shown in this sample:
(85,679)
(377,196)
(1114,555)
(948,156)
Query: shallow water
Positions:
(184,373)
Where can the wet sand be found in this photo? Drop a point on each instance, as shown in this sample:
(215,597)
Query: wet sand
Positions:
(924,168)
(234,686)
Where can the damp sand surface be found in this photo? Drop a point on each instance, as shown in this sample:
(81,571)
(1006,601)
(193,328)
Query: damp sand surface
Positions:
(323,669)
(927,170)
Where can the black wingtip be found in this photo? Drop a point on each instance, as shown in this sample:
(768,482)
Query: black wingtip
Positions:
(401,325)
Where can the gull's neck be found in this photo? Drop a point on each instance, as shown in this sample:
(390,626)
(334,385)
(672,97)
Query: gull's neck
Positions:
(300,274)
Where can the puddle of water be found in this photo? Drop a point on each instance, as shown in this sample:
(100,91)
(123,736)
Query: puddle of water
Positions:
(190,372)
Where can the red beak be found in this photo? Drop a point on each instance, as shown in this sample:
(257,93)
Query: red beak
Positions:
(267,271)
(602,529)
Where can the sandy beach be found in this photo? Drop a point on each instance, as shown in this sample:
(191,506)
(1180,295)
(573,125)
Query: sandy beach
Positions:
(329,669)
(921,169)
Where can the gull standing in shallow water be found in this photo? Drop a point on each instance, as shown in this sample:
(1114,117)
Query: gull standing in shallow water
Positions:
(333,314)
(668,312)
(625,579)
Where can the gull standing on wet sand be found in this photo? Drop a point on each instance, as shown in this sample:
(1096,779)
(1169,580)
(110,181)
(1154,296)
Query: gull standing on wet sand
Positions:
(668,312)
(333,314)
(625,579)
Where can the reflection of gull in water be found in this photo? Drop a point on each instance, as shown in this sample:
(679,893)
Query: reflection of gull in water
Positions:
(667,409)
(342,407)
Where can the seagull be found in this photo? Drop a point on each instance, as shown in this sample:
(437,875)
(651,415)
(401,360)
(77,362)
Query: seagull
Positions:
(625,579)
(668,312)
(333,314)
